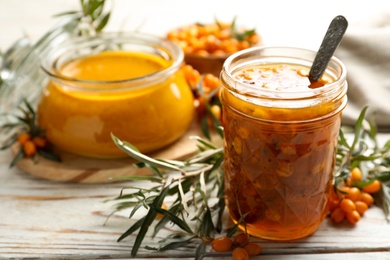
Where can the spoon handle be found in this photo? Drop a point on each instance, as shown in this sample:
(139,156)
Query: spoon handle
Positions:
(331,41)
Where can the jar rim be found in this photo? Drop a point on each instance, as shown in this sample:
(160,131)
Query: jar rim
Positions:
(283,52)
(171,51)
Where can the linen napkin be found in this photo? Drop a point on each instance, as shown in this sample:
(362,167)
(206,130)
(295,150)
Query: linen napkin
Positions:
(365,51)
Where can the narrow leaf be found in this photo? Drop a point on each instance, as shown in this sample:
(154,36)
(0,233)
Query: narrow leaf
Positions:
(177,221)
(150,216)
(133,152)
(133,228)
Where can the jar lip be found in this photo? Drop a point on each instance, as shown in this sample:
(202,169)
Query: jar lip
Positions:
(169,48)
(293,94)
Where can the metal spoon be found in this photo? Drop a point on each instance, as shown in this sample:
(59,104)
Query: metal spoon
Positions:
(331,41)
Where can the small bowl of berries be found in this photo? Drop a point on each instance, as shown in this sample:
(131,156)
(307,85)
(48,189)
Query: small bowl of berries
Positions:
(206,46)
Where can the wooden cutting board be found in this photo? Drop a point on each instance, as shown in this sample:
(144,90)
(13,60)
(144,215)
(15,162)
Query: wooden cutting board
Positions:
(74,168)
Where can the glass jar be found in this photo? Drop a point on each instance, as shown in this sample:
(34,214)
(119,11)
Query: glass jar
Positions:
(127,84)
(280,142)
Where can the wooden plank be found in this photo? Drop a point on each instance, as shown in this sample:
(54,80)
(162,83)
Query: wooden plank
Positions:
(46,219)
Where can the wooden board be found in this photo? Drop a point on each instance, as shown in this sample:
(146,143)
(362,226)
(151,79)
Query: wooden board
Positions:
(74,168)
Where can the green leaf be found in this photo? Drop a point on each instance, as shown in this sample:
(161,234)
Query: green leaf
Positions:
(177,244)
(200,251)
(134,152)
(137,178)
(343,140)
(133,228)
(174,209)
(49,155)
(150,216)
(205,127)
(207,227)
(177,221)
(358,128)
(19,156)
(103,22)
(205,142)
(232,230)
(66,13)
(136,207)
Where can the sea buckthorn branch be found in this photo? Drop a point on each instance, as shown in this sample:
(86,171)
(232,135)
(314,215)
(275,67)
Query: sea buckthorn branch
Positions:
(92,18)
(197,178)
(362,173)
(205,89)
(22,128)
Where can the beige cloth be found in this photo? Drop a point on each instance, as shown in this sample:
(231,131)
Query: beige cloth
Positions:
(365,51)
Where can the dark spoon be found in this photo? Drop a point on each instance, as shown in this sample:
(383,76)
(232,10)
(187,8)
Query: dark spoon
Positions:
(329,44)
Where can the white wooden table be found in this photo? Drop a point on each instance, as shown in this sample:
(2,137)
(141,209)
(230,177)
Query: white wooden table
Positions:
(44,219)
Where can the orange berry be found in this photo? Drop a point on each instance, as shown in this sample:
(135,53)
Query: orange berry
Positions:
(334,203)
(342,191)
(373,187)
(23,137)
(164,206)
(367,198)
(29,148)
(222,244)
(337,215)
(200,106)
(361,207)
(39,141)
(353,217)
(241,239)
(240,253)
(216,110)
(347,205)
(356,174)
(353,194)
(253,249)
(211,81)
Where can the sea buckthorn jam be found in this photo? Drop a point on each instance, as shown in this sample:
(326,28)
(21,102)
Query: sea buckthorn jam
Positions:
(129,85)
(280,142)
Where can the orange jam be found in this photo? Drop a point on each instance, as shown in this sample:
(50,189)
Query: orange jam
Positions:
(280,145)
(136,96)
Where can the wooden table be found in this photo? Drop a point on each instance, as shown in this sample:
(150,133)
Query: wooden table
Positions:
(45,219)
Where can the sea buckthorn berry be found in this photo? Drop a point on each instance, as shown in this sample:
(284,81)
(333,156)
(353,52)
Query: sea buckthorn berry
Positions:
(334,203)
(213,38)
(241,239)
(367,198)
(222,244)
(373,187)
(253,249)
(211,81)
(29,148)
(216,110)
(347,205)
(163,206)
(240,253)
(337,215)
(39,141)
(356,174)
(353,194)
(361,207)
(353,217)
(23,137)
(191,75)
(342,191)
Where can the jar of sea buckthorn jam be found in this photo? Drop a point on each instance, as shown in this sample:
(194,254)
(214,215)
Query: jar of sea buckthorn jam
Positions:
(281,134)
(127,84)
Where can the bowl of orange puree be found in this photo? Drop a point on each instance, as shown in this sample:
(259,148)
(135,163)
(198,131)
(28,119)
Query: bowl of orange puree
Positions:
(127,84)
